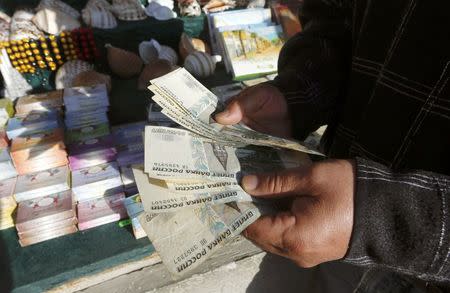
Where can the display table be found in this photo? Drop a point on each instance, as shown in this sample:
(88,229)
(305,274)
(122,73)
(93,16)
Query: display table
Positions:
(103,256)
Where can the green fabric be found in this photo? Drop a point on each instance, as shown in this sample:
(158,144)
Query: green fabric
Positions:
(45,265)
(194,26)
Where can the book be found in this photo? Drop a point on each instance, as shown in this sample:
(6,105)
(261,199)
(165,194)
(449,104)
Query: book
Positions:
(253,51)
(49,101)
(234,17)
(42,183)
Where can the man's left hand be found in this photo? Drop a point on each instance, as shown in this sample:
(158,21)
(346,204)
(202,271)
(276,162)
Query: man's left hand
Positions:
(318,226)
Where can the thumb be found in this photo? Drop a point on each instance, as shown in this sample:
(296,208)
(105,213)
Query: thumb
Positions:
(233,114)
(288,182)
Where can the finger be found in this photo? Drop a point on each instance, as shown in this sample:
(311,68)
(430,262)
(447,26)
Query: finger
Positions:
(288,182)
(233,114)
(267,232)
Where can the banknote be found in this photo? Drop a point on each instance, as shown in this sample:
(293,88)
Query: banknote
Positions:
(183,98)
(157,197)
(185,239)
(179,154)
(182,156)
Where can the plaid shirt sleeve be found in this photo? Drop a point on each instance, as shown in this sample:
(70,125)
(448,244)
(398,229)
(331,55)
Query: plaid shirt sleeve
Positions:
(401,221)
(314,64)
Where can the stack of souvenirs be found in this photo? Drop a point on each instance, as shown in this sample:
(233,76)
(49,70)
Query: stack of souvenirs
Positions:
(45,206)
(96,180)
(130,146)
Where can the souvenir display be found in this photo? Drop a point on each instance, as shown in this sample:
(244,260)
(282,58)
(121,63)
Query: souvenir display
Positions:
(91,152)
(123,63)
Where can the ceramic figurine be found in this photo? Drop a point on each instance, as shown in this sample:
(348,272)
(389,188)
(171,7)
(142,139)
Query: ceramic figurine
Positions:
(22,26)
(54,21)
(128,10)
(123,63)
(99,17)
(201,64)
(60,6)
(152,50)
(159,12)
(155,69)
(90,78)
(189,45)
(67,72)
(189,8)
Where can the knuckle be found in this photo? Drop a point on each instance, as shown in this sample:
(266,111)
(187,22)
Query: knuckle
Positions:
(276,183)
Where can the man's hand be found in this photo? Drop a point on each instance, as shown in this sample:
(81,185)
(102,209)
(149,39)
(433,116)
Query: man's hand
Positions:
(318,225)
(261,107)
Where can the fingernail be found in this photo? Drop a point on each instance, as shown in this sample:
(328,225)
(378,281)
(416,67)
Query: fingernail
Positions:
(250,182)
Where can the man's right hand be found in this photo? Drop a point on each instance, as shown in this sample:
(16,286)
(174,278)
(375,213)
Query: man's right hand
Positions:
(261,107)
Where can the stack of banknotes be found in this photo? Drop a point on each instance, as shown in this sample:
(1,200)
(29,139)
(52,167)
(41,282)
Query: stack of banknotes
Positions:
(86,112)
(46,218)
(129,143)
(45,102)
(39,151)
(133,205)
(7,203)
(101,211)
(189,183)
